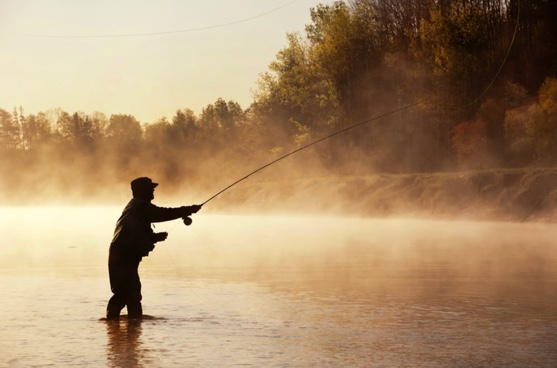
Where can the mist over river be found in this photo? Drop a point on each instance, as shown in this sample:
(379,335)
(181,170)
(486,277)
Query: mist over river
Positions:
(281,291)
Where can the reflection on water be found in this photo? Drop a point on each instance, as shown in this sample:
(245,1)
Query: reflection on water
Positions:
(124,343)
(284,291)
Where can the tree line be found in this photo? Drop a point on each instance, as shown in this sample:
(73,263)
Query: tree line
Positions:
(482,73)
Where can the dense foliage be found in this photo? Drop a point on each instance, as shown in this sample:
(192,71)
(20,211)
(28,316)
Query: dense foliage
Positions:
(480,104)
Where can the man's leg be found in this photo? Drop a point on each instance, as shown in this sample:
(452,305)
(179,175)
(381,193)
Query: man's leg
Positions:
(135,309)
(115,305)
(121,281)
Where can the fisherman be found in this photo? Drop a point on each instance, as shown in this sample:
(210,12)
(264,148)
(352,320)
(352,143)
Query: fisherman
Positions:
(134,239)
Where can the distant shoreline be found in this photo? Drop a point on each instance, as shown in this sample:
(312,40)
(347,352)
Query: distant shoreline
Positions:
(498,194)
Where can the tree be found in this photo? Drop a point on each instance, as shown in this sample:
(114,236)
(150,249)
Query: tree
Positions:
(520,145)
(184,127)
(342,44)
(219,120)
(77,130)
(533,57)
(124,133)
(158,134)
(297,95)
(9,131)
(452,45)
(396,22)
(35,131)
(98,124)
(542,123)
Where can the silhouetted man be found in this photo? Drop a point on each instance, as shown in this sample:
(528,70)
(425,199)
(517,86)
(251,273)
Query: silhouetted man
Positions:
(134,239)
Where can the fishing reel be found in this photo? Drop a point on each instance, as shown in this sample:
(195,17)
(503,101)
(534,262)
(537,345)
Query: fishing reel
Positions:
(187,220)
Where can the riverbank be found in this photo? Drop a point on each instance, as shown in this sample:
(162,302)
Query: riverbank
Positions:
(506,195)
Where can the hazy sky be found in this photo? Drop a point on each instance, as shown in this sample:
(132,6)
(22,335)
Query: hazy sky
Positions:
(147,76)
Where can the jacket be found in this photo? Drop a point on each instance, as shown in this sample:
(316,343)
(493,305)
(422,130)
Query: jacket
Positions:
(133,237)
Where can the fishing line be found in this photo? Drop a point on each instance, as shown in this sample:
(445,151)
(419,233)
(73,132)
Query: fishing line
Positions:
(380,116)
(162,32)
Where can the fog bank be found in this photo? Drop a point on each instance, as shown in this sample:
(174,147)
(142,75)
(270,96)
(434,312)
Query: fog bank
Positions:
(506,195)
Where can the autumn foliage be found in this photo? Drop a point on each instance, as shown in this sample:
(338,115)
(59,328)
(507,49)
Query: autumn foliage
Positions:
(441,85)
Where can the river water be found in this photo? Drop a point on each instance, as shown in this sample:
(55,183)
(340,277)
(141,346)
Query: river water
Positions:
(281,291)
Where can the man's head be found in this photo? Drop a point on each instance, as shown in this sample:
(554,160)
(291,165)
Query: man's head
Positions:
(143,188)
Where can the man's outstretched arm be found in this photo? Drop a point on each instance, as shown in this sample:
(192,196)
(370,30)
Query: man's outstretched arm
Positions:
(160,214)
